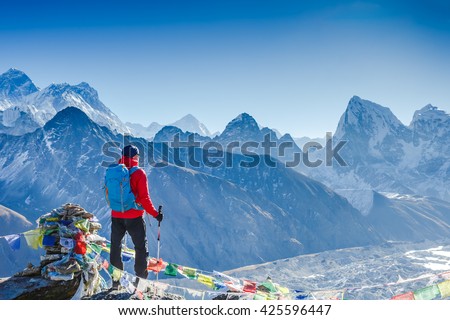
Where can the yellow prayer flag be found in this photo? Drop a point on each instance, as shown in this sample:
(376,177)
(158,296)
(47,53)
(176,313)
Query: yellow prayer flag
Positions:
(106,249)
(116,274)
(53,219)
(34,238)
(281,289)
(82,225)
(207,281)
(444,288)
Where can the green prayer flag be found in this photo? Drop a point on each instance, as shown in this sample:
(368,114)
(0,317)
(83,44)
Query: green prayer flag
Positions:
(190,272)
(428,293)
(82,225)
(171,270)
(259,297)
(110,269)
(267,286)
(96,248)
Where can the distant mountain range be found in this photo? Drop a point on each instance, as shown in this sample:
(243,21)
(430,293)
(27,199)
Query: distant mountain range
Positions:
(12,261)
(188,124)
(222,217)
(12,221)
(24,107)
(387,156)
(275,212)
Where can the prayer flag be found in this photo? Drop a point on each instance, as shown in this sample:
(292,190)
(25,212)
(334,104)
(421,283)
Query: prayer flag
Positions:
(267,286)
(259,297)
(233,287)
(116,274)
(48,240)
(171,270)
(189,272)
(13,241)
(249,286)
(33,238)
(82,225)
(328,295)
(404,296)
(281,289)
(155,265)
(444,288)
(110,269)
(206,280)
(427,293)
(219,285)
(96,248)
(67,243)
(126,256)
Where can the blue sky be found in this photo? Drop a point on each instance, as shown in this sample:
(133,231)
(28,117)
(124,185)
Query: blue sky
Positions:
(293,65)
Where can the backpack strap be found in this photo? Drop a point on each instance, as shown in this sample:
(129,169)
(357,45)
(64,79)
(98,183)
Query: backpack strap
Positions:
(133,170)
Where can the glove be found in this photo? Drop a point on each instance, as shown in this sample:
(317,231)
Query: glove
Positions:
(159,217)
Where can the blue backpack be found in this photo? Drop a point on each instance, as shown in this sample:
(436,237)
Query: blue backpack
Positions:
(118,192)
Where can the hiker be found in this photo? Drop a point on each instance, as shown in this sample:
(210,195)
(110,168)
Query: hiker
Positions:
(127,212)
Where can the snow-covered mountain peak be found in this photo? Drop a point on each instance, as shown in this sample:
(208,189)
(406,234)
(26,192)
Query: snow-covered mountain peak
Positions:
(188,117)
(358,106)
(167,133)
(243,127)
(86,90)
(192,124)
(366,117)
(244,117)
(24,107)
(69,117)
(17,78)
(286,137)
(83,89)
(430,112)
(243,121)
(430,123)
(55,89)
(57,97)
(14,85)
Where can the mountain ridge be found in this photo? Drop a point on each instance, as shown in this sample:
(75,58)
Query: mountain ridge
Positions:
(62,162)
(21,101)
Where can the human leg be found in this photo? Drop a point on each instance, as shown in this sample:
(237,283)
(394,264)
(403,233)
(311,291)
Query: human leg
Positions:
(136,228)
(118,230)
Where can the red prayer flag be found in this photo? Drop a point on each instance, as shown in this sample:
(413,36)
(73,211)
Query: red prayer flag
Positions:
(404,296)
(249,286)
(155,265)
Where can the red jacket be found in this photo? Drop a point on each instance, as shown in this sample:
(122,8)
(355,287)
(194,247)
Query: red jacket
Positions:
(139,187)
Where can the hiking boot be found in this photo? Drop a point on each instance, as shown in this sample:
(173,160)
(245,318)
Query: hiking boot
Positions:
(136,282)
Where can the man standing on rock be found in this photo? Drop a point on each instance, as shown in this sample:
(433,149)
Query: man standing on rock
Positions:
(126,190)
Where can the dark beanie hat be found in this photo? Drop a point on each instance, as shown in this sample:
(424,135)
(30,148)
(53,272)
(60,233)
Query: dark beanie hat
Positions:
(130,151)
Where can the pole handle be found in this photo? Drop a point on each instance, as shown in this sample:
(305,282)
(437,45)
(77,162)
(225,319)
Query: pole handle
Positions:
(159,211)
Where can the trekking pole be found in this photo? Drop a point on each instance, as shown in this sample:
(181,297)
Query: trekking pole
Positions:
(159,237)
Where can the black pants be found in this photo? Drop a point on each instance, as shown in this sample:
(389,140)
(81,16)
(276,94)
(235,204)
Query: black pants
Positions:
(136,229)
